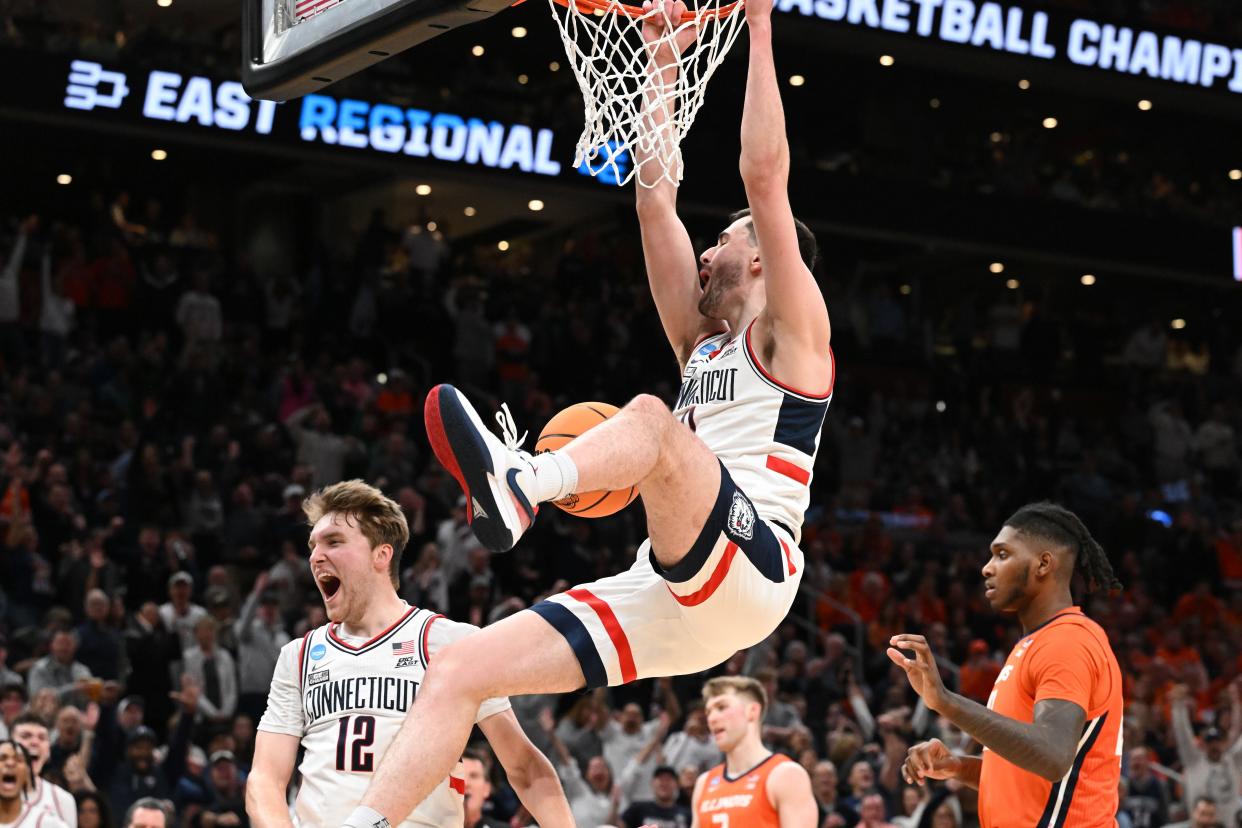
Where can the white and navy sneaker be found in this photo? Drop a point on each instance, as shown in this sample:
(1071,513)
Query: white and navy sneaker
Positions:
(496,475)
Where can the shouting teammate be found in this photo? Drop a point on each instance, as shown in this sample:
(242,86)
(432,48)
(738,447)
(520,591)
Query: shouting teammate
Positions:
(724,479)
(31,732)
(1051,730)
(16,775)
(342,691)
(753,787)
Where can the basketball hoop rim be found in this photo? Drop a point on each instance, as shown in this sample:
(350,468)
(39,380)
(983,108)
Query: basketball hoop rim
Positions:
(635,12)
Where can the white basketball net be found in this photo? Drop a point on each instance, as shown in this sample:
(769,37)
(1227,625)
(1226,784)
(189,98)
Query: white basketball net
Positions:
(636,117)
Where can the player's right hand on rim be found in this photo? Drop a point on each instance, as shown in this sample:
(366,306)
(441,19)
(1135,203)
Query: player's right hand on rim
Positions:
(930,760)
(667,17)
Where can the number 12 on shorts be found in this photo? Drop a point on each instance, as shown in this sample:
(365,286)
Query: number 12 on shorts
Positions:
(360,760)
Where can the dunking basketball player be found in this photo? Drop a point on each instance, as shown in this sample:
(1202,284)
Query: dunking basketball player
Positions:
(724,478)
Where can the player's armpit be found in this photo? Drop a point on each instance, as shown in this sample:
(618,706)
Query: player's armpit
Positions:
(530,773)
(275,754)
(789,787)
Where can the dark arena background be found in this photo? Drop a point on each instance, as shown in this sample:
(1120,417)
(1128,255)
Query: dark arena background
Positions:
(1029,215)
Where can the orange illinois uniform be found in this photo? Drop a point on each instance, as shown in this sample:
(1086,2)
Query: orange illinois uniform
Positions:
(1067,658)
(742,801)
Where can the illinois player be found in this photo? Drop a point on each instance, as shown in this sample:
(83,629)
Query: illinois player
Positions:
(1052,728)
(16,776)
(342,690)
(753,787)
(724,479)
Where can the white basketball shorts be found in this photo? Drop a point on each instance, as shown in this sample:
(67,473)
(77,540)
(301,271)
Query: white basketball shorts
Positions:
(729,592)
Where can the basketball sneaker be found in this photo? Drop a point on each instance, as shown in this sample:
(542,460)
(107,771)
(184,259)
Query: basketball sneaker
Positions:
(495,474)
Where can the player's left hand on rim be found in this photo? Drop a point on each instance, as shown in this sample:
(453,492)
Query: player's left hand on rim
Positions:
(922,670)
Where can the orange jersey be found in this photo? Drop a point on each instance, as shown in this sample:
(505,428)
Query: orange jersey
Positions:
(1067,658)
(741,801)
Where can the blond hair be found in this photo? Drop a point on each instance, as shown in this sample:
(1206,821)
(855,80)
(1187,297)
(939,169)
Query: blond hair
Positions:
(379,518)
(741,685)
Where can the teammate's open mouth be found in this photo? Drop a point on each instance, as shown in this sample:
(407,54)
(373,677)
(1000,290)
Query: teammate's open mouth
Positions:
(329,585)
(9,779)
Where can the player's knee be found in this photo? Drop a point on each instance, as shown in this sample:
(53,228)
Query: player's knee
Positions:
(649,405)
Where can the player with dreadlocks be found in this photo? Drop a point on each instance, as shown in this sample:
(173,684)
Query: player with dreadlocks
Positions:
(16,775)
(1051,730)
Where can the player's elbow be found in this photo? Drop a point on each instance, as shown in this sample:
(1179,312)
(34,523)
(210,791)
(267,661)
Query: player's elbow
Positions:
(763,171)
(1056,768)
(654,202)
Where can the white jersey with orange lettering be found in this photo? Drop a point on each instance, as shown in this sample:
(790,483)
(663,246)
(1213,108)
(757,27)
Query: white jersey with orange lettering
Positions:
(764,432)
(346,700)
(56,801)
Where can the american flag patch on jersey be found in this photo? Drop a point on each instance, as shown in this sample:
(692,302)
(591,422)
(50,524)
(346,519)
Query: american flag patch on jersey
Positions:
(404,648)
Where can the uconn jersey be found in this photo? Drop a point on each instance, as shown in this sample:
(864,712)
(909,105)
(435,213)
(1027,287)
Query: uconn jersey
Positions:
(346,699)
(765,433)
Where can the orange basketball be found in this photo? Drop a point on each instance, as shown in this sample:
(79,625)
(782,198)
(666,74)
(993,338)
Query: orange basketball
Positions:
(564,427)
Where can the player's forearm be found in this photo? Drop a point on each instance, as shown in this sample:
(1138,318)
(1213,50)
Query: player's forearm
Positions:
(540,790)
(1028,746)
(655,191)
(765,150)
(265,804)
(968,771)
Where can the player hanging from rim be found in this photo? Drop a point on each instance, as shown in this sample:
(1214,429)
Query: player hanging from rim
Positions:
(753,787)
(342,691)
(726,473)
(1051,730)
(16,775)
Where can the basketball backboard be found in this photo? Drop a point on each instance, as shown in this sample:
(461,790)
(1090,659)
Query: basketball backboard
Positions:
(294,47)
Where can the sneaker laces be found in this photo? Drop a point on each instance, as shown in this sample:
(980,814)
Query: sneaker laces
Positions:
(509,430)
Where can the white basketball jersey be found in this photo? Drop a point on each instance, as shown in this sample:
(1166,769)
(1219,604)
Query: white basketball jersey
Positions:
(346,700)
(765,433)
(56,801)
(33,816)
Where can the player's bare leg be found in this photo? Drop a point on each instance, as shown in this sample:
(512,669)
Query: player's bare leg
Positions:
(520,655)
(641,445)
(676,474)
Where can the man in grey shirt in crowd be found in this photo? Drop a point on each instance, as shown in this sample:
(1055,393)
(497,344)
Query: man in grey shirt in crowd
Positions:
(260,635)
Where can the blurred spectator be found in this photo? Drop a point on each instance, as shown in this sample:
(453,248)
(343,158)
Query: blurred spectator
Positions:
(478,791)
(662,810)
(1214,769)
(59,671)
(1146,800)
(179,614)
(260,635)
(214,672)
(693,745)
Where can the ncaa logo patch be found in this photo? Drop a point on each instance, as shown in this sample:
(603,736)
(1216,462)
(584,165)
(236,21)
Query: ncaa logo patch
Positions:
(741,522)
(317,652)
(709,348)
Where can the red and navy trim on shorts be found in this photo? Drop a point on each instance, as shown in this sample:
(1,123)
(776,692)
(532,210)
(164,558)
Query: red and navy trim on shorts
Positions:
(762,549)
(579,638)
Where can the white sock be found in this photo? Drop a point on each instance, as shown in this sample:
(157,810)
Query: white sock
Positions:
(556,476)
(364,817)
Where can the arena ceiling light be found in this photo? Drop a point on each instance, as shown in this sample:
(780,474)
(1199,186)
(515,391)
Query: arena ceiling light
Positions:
(64,179)
(470,212)
(1024,84)
(423,189)
(1178,324)
(1012,284)
(518,31)
(523,79)
(502,246)
(996,137)
(996,267)
(1050,123)
(535,205)
(477,51)
(163,4)
(934,103)
(554,67)
(1087,279)
(905,290)
(797,80)
(158,154)
(1235,175)
(1144,105)
(887,60)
